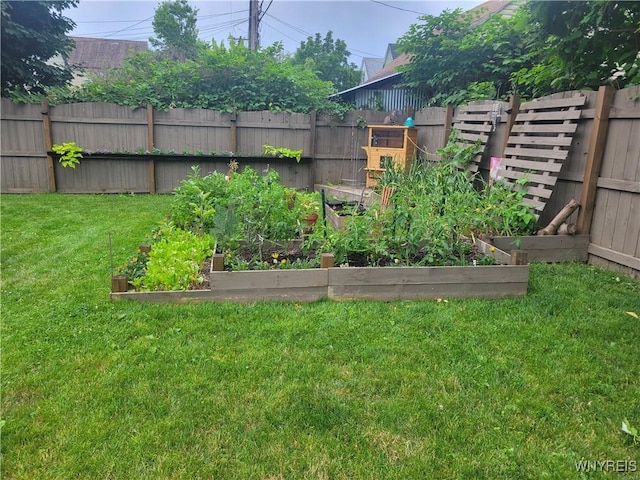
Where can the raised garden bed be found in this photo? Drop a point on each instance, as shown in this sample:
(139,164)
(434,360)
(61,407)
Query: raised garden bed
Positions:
(374,283)
(548,248)
(336,210)
(384,253)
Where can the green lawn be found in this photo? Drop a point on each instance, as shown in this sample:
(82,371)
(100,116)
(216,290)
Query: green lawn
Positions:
(499,389)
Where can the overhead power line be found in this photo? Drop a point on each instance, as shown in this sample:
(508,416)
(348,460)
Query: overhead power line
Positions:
(396,7)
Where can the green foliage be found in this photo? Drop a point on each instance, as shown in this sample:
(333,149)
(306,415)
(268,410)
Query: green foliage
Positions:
(631,430)
(582,45)
(282,152)
(455,60)
(330,59)
(545,47)
(135,267)
(33,33)
(175,260)
(220,78)
(505,214)
(70,153)
(241,206)
(174,24)
(433,208)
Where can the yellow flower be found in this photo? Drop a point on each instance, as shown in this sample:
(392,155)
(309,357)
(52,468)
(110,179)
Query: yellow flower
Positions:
(134,259)
(275,254)
(283,261)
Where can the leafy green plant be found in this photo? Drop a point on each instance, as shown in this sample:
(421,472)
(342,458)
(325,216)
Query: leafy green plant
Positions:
(282,152)
(631,430)
(175,260)
(135,267)
(70,153)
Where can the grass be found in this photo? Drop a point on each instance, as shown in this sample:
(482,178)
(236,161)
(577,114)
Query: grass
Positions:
(502,389)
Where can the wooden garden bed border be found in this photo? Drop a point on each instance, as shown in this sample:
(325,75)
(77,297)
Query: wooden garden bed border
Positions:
(548,248)
(374,283)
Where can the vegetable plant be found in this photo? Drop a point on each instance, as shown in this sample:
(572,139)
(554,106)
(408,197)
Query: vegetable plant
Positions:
(70,153)
(175,260)
(282,152)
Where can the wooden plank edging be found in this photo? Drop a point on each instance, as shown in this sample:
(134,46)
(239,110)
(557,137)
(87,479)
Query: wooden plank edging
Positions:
(376,283)
(547,248)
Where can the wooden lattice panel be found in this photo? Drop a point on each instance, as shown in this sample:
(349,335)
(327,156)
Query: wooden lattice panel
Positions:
(474,123)
(538,144)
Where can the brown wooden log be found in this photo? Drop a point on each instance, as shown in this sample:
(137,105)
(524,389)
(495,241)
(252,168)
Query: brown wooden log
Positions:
(560,218)
(567,229)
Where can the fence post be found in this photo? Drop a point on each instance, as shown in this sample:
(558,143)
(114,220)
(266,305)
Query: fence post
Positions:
(48,143)
(448,121)
(594,158)
(234,134)
(150,147)
(514,108)
(312,149)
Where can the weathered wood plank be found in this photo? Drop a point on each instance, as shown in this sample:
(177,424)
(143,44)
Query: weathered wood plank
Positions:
(536,153)
(531,177)
(537,205)
(613,256)
(429,291)
(543,128)
(554,103)
(164,297)
(549,116)
(548,248)
(475,127)
(470,117)
(499,255)
(594,158)
(424,275)
(532,164)
(541,141)
(264,279)
(472,137)
(250,295)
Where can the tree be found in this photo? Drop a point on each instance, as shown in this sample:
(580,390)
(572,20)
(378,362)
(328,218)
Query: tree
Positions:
(330,59)
(585,44)
(545,47)
(220,78)
(33,34)
(454,59)
(174,23)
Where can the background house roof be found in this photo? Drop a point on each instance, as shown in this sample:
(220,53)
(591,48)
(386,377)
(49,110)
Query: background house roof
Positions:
(98,55)
(370,66)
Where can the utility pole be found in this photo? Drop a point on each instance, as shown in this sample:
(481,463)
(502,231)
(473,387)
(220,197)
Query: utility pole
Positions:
(254,21)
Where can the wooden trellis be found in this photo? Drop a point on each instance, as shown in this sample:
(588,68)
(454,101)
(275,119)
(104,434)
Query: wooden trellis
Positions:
(538,145)
(473,123)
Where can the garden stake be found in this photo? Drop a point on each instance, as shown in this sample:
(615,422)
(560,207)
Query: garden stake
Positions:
(110,254)
(324,211)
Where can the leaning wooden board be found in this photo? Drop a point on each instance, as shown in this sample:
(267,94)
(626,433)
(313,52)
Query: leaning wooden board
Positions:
(538,144)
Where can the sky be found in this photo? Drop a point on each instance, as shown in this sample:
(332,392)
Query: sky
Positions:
(366,26)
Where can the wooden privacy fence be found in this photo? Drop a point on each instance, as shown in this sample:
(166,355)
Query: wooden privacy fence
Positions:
(597,162)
